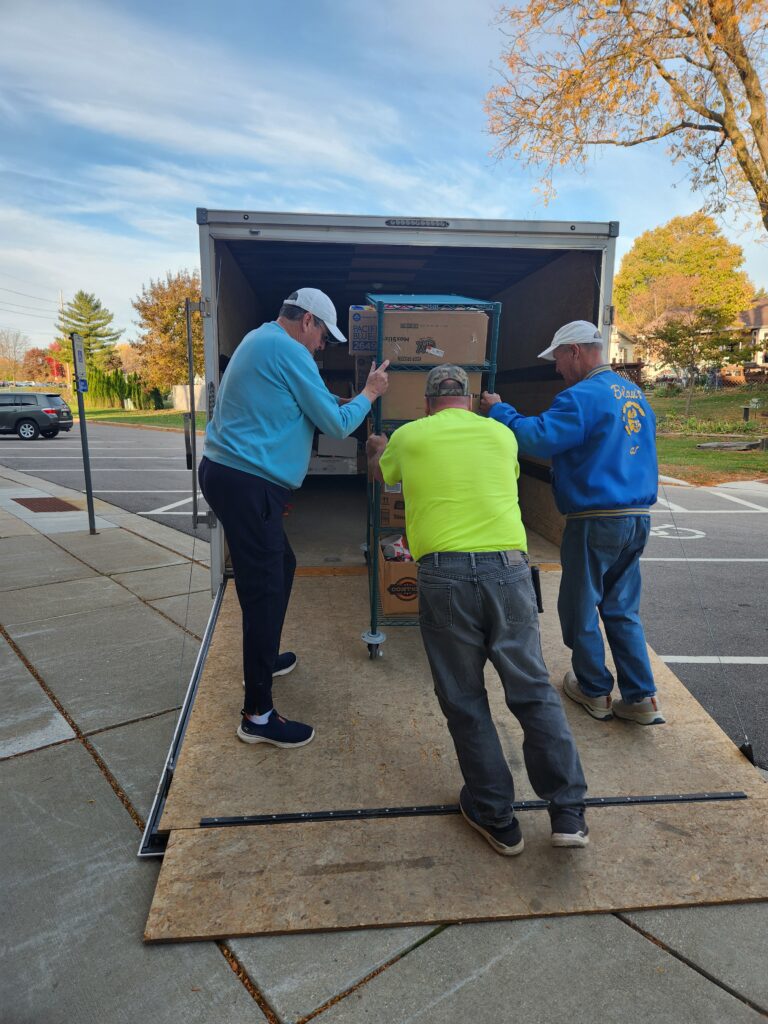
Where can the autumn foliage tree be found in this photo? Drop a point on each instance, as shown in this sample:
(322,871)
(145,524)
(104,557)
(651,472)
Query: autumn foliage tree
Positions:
(585,73)
(685,266)
(163,344)
(34,366)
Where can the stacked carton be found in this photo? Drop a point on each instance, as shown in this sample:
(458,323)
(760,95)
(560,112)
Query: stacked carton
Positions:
(418,337)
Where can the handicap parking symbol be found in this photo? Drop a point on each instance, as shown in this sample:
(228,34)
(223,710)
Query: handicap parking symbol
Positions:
(669,530)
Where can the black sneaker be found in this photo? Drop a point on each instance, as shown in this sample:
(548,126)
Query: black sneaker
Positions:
(569,827)
(280,732)
(285,663)
(507,841)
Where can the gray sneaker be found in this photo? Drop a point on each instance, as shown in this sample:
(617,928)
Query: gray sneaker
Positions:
(644,712)
(598,707)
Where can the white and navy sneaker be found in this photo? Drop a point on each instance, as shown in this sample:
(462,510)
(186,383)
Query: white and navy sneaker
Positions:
(285,663)
(278,731)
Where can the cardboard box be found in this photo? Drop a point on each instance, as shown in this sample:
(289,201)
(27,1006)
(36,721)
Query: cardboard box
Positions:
(392,507)
(332,465)
(420,336)
(344,446)
(404,399)
(398,589)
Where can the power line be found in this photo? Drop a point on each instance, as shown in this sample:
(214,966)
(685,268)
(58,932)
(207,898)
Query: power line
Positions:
(16,312)
(28,296)
(19,305)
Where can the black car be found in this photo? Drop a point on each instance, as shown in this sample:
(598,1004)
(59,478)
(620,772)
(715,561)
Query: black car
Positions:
(32,413)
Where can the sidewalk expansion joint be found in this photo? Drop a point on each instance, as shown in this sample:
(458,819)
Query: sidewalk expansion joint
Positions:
(143,600)
(132,721)
(247,982)
(165,547)
(762,1010)
(369,977)
(79,734)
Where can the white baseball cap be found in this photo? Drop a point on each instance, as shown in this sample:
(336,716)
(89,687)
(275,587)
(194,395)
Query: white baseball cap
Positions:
(577,332)
(318,304)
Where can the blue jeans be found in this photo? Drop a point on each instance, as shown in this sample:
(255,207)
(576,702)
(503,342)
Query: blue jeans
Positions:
(475,607)
(601,574)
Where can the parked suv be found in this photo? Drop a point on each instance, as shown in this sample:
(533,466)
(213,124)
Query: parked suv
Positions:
(32,413)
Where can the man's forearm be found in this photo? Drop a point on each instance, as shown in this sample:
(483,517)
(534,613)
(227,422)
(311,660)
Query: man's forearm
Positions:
(374,449)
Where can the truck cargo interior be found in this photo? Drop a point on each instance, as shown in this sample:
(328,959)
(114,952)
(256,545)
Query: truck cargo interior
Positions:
(540,287)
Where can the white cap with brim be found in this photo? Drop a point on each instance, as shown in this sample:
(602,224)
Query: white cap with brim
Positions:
(318,304)
(577,332)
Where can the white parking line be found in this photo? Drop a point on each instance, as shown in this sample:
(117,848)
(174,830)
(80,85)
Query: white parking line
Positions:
(710,659)
(645,559)
(713,511)
(740,501)
(165,508)
(671,505)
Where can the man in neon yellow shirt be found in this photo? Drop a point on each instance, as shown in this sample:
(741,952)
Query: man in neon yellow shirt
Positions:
(477,603)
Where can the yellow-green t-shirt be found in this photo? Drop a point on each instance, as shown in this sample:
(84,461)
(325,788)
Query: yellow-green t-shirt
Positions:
(459,474)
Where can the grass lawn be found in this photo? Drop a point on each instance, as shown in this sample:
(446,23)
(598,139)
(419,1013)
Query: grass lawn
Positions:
(679,456)
(171,418)
(722,407)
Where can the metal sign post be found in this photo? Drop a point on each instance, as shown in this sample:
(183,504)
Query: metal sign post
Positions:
(81,385)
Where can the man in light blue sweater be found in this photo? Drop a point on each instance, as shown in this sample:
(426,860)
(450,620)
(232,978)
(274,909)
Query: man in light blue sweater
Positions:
(600,433)
(257,450)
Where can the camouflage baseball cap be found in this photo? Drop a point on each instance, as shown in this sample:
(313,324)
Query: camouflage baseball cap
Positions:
(446,380)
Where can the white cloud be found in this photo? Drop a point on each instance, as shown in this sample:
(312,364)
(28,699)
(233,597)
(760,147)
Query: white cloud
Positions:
(55,255)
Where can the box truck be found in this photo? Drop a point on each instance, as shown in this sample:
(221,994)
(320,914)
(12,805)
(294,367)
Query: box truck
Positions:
(544,273)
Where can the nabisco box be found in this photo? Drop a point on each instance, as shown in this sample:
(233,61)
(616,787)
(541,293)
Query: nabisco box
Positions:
(392,507)
(421,336)
(398,590)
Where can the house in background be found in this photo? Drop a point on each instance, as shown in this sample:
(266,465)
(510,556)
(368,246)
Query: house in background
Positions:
(755,321)
(621,347)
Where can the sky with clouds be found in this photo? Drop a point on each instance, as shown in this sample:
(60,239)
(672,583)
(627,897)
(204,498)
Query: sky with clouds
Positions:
(119,119)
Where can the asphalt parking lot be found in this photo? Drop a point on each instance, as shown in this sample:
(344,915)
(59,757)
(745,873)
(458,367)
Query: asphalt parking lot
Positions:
(705,599)
(142,471)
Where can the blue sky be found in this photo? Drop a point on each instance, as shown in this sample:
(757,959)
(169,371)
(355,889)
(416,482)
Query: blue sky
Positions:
(118,120)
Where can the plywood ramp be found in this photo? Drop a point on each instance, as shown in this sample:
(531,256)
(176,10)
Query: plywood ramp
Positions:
(382,742)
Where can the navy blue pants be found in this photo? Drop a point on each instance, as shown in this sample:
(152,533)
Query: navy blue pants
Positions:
(251,511)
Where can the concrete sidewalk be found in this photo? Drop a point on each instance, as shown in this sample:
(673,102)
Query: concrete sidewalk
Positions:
(98,635)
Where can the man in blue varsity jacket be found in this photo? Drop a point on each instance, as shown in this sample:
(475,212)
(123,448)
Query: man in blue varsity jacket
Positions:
(600,433)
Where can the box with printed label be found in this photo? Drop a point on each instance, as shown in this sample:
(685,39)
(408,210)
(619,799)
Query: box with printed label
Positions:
(398,589)
(392,507)
(421,336)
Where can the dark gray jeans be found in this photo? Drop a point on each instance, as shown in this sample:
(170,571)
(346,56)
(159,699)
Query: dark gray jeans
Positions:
(475,607)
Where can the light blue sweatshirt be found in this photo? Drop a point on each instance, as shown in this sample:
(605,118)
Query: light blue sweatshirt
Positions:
(270,400)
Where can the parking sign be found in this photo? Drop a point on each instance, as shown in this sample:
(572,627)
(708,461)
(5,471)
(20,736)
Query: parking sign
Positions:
(78,352)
